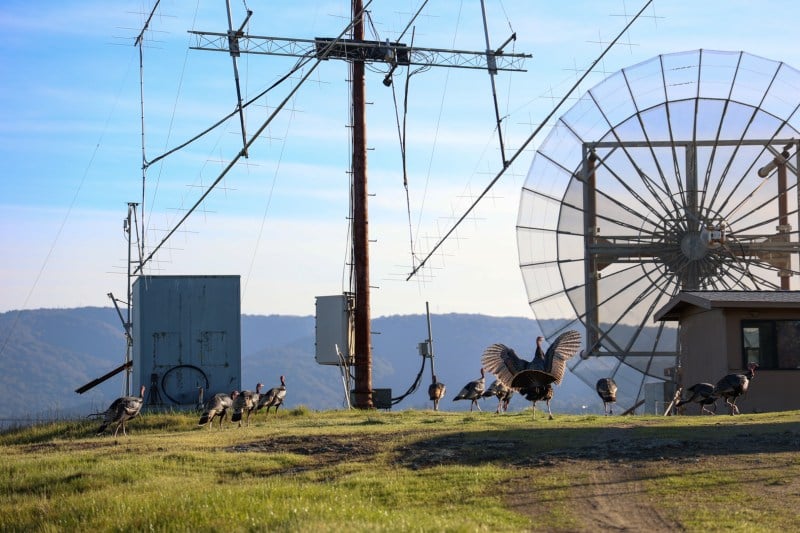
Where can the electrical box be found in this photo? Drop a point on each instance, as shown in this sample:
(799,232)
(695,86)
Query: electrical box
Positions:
(334,330)
(382,398)
(186,335)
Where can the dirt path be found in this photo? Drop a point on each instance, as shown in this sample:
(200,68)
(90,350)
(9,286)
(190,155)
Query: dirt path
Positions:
(605,486)
(599,496)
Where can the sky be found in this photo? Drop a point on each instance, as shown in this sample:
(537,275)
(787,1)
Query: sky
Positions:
(82,107)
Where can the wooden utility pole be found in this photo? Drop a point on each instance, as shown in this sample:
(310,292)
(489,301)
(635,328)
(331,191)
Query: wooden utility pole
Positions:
(362,321)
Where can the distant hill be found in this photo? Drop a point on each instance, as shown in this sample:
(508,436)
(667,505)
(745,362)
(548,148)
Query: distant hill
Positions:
(46,354)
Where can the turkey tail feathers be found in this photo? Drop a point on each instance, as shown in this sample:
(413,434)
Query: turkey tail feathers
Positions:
(514,372)
(501,361)
(562,350)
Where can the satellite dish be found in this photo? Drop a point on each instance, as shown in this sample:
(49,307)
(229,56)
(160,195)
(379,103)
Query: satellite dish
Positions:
(648,185)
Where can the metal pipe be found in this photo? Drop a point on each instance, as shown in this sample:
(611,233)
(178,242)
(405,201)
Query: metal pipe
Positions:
(492,70)
(430,343)
(591,273)
(783,217)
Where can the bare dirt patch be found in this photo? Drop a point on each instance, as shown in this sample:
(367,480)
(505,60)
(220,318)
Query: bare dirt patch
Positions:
(327,448)
(323,450)
(457,449)
(68,446)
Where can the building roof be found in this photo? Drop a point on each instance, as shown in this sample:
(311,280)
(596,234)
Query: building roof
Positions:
(727,299)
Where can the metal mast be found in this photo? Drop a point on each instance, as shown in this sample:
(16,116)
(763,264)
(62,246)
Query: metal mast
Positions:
(358,52)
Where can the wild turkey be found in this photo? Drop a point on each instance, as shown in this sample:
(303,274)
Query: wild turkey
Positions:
(503,393)
(533,378)
(246,402)
(734,385)
(436,392)
(217,407)
(703,394)
(273,397)
(472,391)
(607,390)
(121,410)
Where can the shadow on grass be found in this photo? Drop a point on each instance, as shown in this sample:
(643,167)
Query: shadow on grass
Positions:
(540,446)
(546,446)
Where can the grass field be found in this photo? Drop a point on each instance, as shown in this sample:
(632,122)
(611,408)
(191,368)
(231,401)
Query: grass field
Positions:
(407,471)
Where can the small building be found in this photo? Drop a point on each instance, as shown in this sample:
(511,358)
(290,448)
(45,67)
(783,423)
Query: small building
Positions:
(720,332)
(186,335)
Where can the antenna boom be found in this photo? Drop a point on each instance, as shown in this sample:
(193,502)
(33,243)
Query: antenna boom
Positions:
(360,50)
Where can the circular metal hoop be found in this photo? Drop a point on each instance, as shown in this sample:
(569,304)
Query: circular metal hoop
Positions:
(191,368)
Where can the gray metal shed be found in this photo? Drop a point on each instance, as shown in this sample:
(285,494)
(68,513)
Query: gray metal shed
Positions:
(186,335)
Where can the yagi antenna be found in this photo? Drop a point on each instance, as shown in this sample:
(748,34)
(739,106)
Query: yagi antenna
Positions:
(233,49)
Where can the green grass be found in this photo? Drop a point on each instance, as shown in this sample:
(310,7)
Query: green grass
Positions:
(399,471)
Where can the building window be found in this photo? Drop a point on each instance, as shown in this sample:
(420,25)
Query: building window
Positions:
(772,344)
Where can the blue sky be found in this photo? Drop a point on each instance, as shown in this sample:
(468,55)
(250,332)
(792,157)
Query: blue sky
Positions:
(71,146)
